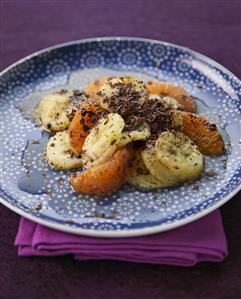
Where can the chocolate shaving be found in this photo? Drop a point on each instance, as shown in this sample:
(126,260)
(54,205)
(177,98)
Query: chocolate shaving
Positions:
(63,91)
(133,122)
(212,127)
(195,188)
(38,207)
(211,173)
(70,221)
(126,99)
(157,116)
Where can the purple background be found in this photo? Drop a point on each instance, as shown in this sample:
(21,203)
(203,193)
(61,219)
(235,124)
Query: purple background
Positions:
(211,27)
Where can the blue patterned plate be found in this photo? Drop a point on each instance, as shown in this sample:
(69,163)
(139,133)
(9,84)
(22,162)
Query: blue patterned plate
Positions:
(30,188)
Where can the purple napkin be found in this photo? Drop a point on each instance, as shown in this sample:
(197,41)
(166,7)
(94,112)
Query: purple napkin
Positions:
(202,240)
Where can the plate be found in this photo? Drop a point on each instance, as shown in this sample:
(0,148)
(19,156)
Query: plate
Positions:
(32,190)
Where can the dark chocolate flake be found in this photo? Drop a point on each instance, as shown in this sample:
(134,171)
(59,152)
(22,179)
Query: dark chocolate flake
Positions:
(49,192)
(211,173)
(212,127)
(113,142)
(92,120)
(38,207)
(86,128)
(63,91)
(78,155)
(195,188)
(70,221)
(59,180)
(199,85)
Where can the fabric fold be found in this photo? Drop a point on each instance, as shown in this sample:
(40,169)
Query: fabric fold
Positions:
(202,240)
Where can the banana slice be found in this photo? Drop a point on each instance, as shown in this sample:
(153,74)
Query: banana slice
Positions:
(121,89)
(180,155)
(142,134)
(177,121)
(169,102)
(138,166)
(56,110)
(51,111)
(146,181)
(102,141)
(140,176)
(156,168)
(59,154)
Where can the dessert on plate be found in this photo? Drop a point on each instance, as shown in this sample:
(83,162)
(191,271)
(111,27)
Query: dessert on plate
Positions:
(120,130)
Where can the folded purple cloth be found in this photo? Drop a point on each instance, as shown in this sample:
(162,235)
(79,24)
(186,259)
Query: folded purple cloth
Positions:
(202,240)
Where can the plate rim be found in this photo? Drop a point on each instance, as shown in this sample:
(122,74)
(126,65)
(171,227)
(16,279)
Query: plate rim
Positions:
(116,38)
(122,233)
(130,232)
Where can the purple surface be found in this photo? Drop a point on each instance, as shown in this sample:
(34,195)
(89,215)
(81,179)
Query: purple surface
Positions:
(202,240)
(211,27)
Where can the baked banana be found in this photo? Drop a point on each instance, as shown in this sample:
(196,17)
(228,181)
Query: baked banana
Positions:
(59,154)
(168,102)
(122,94)
(140,176)
(52,111)
(102,141)
(129,136)
(156,168)
(179,155)
(138,166)
(146,181)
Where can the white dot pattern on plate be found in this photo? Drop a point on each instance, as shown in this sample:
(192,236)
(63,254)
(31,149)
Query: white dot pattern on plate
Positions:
(73,67)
